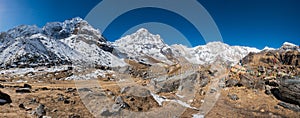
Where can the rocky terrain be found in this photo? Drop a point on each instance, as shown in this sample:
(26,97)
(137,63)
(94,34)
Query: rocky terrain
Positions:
(67,69)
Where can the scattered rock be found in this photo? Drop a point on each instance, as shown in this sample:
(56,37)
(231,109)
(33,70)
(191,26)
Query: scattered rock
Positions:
(22,106)
(70,90)
(74,116)
(40,110)
(124,89)
(84,90)
(4,98)
(213,90)
(110,93)
(44,88)
(204,82)
(27,86)
(54,110)
(202,92)
(66,101)
(60,98)
(33,100)
(233,97)
(231,82)
(119,100)
(1,86)
(105,112)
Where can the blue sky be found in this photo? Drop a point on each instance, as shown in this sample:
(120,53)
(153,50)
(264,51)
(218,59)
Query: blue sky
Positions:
(255,23)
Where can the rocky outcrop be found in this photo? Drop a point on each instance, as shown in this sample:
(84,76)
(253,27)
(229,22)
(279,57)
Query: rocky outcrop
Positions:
(290,90)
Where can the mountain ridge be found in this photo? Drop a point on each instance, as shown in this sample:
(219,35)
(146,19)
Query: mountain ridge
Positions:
(75,40)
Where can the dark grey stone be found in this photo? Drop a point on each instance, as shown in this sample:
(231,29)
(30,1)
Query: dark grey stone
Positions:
(233,97)
(289,106)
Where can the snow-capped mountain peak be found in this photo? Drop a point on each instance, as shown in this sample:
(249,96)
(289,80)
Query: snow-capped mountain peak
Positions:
(142,44)
(289,46)
(141,37)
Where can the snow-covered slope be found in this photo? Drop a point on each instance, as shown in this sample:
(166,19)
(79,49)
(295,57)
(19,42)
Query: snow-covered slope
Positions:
(289,46)
(141,46)
(57,43)
(212,52)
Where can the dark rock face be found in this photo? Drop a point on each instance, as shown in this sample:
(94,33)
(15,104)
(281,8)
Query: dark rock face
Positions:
(290,90)
(289,106)
(4,98)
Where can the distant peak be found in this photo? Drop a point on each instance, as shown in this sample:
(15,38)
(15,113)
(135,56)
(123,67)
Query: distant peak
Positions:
(268,48)
(75,20)
(289,44)
(142,30)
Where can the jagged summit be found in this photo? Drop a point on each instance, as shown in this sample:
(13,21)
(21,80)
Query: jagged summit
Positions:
(57,43)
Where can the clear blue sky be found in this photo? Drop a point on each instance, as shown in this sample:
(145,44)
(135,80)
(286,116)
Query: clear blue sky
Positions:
(255,23)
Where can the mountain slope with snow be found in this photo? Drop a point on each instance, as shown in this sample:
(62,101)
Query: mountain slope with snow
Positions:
(57,43)
(142,43)
(142,46)
(214,51)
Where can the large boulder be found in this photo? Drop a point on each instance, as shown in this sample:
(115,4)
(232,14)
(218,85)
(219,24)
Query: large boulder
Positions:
(135,97)
(290,90)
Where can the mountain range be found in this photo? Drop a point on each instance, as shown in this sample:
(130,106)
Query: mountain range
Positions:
(74,41)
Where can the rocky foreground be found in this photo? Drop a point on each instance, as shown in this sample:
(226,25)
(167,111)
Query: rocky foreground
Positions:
(264,84)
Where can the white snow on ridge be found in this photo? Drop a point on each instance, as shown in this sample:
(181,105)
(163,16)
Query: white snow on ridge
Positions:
(213,51)
(288,43)
(268,48)
(142,43)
